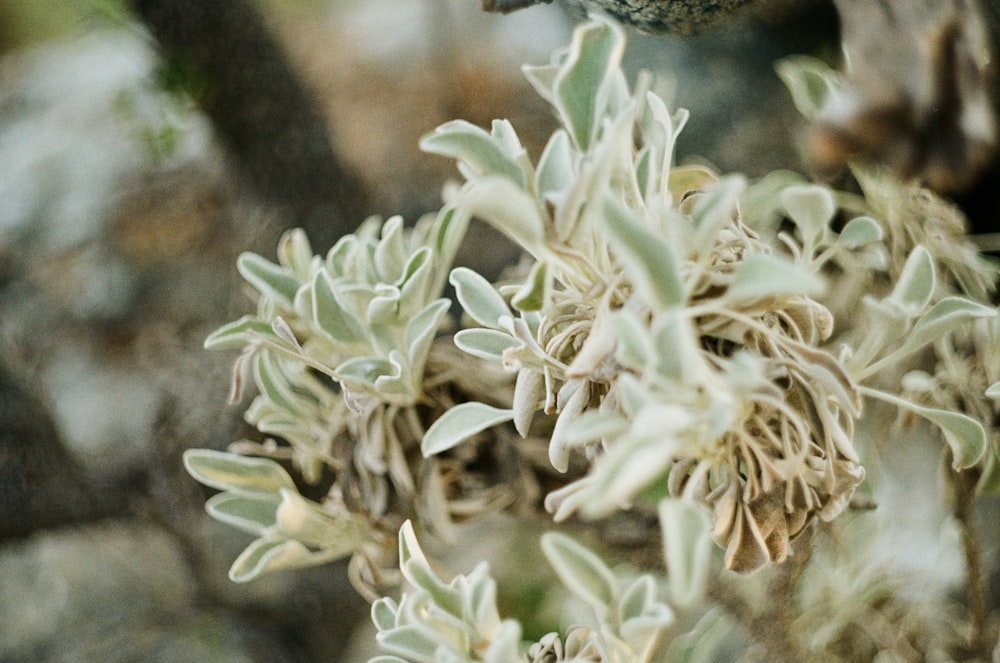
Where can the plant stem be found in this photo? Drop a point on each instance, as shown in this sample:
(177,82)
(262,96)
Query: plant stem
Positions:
(964,510)
(771,626)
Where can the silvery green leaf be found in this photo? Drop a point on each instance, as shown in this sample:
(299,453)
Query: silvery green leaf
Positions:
(646,258)
(419,574)
(573,398)
(415,281)
(965,436)
(390,252)
(678,355)
(504,647)
(860,231)
(993,391)
(762,276)
(915,285)
(945,316)
(631,394)
(397,386)
(363,370)
(529,389)
(701,644)
(810,81)
(306,521)
(594,425)
(714,210)
(239,333)
(387,659)
(413,642)
(664,128)
(637,598)
(475,147)
(266,554)
(643,631)
(459,424)
(533,295)
(639,457)
(687,547)
(244,475)
(268,279)
(696,178)
(811,207)
(555,167)
(409,547)
(330,315)
(485,343)
(507,207)
(581,87)
(542,78)
(254,514)
(761,205)
(478,297)
(384,613)
(273,383)
(446,234)
(383,309)
(295,253)
(635,348)
(646,173)
(581,571)
(421,331)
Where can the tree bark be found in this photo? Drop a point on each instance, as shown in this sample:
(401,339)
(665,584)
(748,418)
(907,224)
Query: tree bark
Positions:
(263,115)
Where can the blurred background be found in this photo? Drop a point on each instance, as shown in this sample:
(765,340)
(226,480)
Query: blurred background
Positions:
(143,145)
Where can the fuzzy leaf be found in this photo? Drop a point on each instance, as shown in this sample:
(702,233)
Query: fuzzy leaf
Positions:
(860,231)
(390,252)
(594,425)
(580,89)
(412,642)
(714,210)
(485,343)
(330,315)
(637,598)
(635,345)
(478,297)
(510,210)
(533,295)
(251,514)
(811,207)
(268,279)
(295,253)
(239,333)
(762,276)
(687,546)
(474,146)
(384,613)
(555,167)
(915,286)
(308,522)
(945,316)
(529,390)
(364,370)
(265,555)
(421,331)
(810,81)
(993,391)
(646,257)
(459,424)
(964,435)
(581,571)
(243,475)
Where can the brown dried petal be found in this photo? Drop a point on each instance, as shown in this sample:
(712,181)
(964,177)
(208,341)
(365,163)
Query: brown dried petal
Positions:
(747,549)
